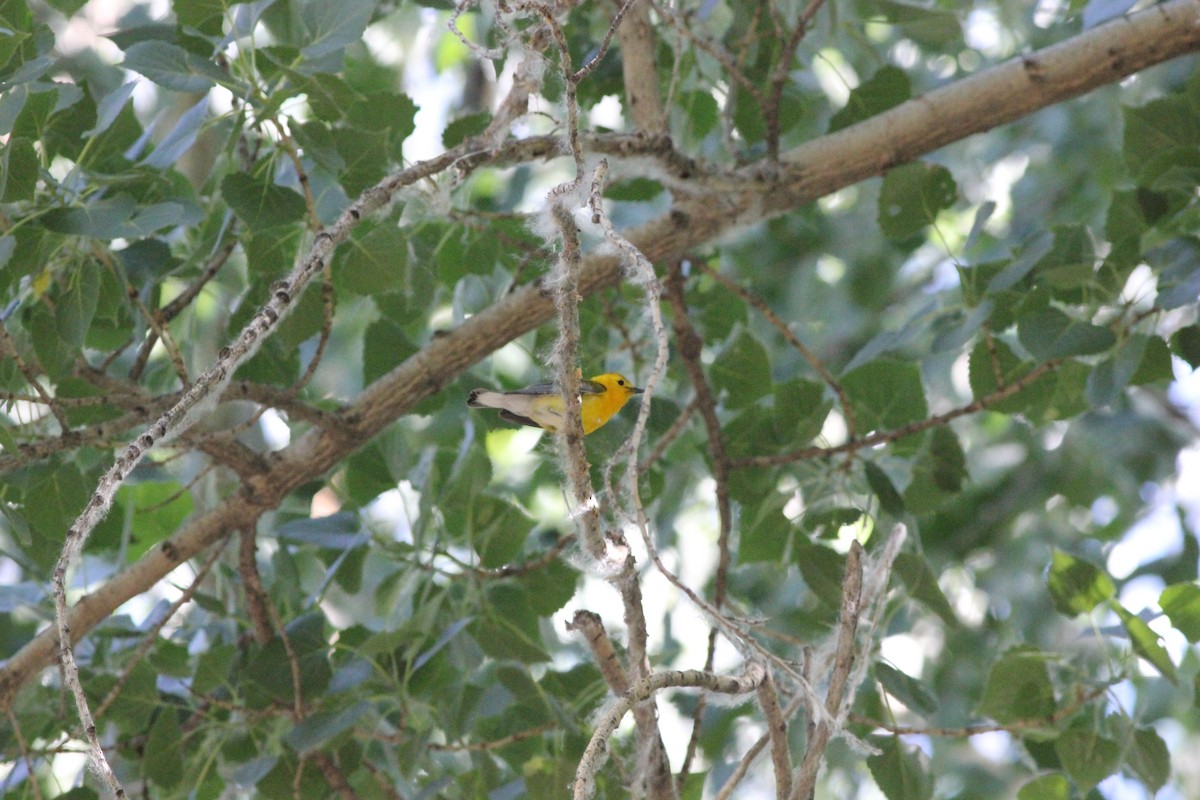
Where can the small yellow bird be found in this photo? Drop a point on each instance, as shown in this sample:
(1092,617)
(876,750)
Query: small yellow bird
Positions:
(541,405)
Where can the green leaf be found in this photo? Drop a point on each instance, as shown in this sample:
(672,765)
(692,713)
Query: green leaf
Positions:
(1018,689)
(1178,275)
(19,169)
(1054,786)
(1155,366)
(1146,643)
(261,204)
(464,128)
(549,588)
(889,499)
(1048,333)
(100,219)
(934,27)
(1181,603)
(77,305)
(751,433)
(1110,377)
(955,329)
(633,190)
(340,531)
(885,394)
(304,322)
(948,460)
(1185,343)
(822,569)
(330,27)
(498,530)
(742,371)
(906,689)
(922,585)
(269,671)
(213,667)
(1150,759)
(392,113)
(827,522)
(320,727)
(717,311)
(203,16)
(1158,135)
(887,88)
(385,346)
(364,154)
(181,137)
(800,411)
(1076,587)
(912,196)
(939,471)
(471,475)
(1070,263)
(510,628)
(701,110)
(1087,757)
(157,510)
(901,771)
(1032,252)
(163,759)
(368,475)
(374,261)
(172,67)
(55,355)
(765,530)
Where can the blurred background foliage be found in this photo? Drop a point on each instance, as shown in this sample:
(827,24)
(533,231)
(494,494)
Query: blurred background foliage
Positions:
(154,153)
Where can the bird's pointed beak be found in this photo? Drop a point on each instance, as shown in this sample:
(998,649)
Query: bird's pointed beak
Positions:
(636,390)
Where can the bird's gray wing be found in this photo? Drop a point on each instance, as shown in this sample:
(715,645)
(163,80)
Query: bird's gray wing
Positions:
(537,388)
(505,414)
(585,387)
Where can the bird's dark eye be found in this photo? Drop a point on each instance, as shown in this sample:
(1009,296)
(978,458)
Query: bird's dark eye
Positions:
(620,383)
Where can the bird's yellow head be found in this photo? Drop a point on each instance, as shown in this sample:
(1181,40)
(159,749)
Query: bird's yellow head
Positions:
(605,396)
(617,385)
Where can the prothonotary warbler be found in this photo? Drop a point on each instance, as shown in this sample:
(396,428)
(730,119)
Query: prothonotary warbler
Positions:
(541,405)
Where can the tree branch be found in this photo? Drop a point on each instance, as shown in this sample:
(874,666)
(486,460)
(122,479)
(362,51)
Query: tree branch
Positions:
(596,751)
(992,97)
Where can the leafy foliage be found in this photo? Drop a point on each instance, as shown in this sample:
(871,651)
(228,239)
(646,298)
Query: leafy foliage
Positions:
(979,345)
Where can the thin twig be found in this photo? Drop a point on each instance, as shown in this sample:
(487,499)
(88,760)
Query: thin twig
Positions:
(573,456)
(256,596)
(689,347)
(493,744)
(780,76)
(31,777)
(843,664)
(743,767)
(333,774)
(596,751)
(768,698)
(595,60)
